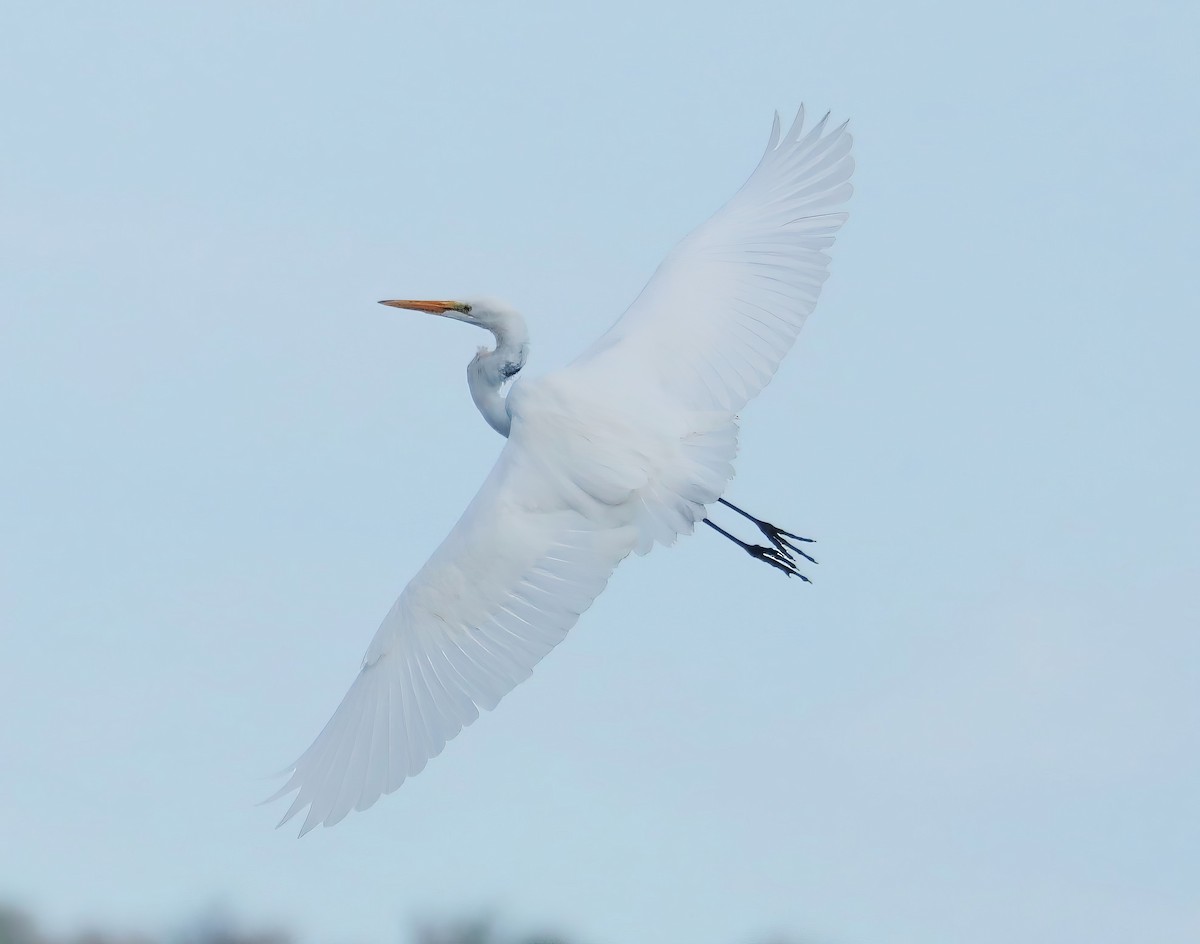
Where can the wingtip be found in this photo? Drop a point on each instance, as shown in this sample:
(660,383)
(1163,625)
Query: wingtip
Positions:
(307,827)
(796,126)
(773,140)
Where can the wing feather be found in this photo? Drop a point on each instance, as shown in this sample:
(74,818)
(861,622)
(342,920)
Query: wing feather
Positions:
(713,323)
(461,637)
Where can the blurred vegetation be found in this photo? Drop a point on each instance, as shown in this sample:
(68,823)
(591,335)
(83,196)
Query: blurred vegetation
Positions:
(215,927)
(16,927)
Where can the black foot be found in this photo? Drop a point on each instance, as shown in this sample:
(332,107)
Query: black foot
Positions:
(780,560)
(777,536)
(777,557)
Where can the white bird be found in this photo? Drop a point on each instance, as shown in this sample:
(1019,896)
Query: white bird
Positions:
(623,449)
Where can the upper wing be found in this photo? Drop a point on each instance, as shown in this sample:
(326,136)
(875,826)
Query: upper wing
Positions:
(502,590)
(711,326)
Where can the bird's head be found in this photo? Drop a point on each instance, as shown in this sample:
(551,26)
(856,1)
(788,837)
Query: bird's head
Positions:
(488,371)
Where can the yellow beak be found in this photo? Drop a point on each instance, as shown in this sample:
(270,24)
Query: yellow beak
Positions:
(434,308)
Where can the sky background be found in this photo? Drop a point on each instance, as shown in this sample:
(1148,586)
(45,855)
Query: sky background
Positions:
(222,461)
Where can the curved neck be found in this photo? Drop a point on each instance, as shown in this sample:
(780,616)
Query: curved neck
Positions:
(489,371)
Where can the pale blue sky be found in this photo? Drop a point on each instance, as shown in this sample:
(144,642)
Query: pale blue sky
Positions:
(222,462)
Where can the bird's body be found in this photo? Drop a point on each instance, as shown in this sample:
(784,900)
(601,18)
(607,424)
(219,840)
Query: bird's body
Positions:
(623,449)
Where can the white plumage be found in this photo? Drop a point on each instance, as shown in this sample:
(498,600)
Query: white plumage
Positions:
(585,477)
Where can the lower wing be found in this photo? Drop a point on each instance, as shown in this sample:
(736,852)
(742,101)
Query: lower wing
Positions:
(506,585)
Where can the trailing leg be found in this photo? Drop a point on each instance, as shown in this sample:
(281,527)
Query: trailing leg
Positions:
(777,536)
(777,557)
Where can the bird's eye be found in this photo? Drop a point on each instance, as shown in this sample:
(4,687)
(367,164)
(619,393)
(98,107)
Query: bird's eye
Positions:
(466,309)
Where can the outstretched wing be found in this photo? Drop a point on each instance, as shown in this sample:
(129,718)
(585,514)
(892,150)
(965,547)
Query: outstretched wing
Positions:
(711,326)
(526,558)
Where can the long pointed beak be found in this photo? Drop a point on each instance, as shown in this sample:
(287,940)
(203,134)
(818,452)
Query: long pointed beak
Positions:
(434,308)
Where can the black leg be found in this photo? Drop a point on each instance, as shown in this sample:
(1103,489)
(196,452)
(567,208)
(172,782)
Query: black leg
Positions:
(777,557)
(777,536)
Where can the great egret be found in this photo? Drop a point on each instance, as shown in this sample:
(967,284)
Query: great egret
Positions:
(624,448)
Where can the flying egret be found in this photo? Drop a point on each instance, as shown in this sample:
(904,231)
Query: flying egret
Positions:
(625,448)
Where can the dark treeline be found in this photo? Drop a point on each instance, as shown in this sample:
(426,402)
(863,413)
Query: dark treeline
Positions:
(17,927)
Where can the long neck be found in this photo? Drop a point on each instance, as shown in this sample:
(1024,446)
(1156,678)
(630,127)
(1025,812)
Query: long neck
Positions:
(491,370)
